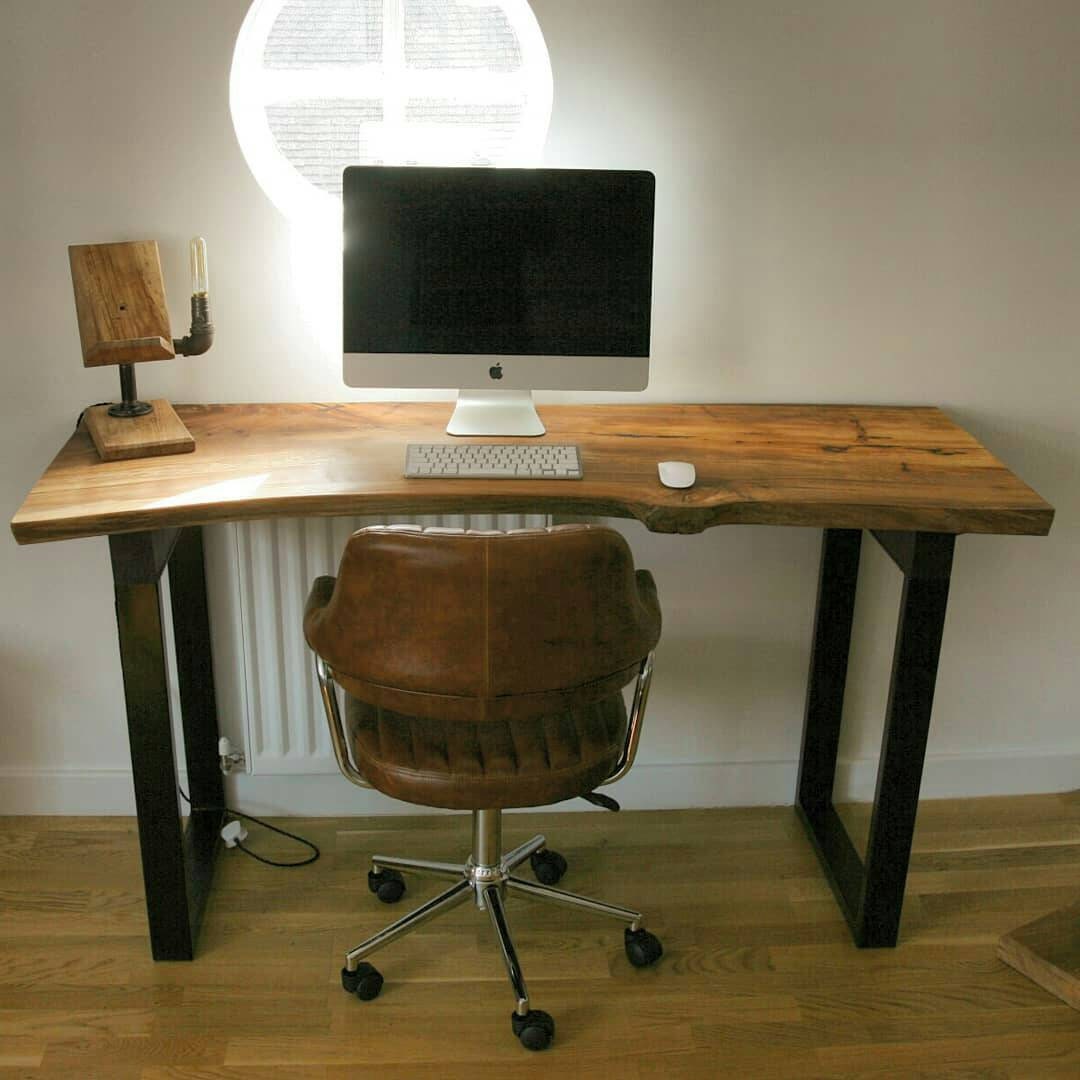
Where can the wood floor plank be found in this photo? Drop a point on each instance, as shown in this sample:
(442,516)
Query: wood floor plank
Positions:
(21,1052)
(135,1054)
(759,976)
(1025,1055)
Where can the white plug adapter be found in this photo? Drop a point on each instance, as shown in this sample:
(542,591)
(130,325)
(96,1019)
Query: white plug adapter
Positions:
(234,833)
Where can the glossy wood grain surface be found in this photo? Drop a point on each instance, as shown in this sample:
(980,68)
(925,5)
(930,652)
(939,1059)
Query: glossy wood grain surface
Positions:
(845,466)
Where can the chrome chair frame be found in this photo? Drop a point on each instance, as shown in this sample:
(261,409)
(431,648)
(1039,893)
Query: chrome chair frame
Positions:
(488,874)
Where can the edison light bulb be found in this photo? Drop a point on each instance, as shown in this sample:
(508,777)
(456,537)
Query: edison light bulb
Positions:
(200,279)
(201,336)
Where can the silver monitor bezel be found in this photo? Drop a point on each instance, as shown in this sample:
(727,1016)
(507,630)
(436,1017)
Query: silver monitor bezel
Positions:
(451,371)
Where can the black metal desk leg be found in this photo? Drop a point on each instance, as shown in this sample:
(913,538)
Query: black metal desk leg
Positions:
(194,668)
(177,865)
(837,580)
(839,574)
(927,566)
(871,895)
(198,707)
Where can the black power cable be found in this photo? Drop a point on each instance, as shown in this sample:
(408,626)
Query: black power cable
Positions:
(84,412)
(266,825)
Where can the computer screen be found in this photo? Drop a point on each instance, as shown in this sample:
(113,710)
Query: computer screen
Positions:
(497,280)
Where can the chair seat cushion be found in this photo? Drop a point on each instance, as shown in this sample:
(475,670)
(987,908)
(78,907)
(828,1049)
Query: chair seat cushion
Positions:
(465,765)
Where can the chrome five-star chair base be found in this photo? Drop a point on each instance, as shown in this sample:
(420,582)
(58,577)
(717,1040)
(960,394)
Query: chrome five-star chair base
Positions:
(487,878)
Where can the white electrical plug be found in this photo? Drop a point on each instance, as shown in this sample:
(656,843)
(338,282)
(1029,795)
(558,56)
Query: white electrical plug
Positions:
(229,758)
(234,833)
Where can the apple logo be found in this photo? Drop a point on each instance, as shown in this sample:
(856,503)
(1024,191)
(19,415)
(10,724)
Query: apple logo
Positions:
(495,371)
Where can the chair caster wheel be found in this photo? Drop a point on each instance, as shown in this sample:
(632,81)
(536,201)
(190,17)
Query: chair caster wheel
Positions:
(535,1029)
(642,948)
(365,982)
(548,866)
(387,885)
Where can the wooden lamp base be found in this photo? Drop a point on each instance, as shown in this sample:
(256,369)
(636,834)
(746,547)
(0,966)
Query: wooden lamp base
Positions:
(157,433)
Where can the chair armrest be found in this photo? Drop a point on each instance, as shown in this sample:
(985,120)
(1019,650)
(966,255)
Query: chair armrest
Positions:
(650,601)
(321,591)
(650,626)
(636,722)
(337,729)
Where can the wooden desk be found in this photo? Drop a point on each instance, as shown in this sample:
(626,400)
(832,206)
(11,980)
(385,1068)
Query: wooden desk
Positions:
(910,476)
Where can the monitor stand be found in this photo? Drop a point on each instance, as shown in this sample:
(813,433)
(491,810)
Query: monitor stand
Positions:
(495,412)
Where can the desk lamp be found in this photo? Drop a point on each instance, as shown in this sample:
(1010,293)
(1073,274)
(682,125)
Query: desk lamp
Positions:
(124,320)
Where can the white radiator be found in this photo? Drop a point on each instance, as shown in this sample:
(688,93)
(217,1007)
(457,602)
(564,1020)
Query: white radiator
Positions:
(268,674)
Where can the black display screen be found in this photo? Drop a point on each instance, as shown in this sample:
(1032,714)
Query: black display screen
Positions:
(486,261)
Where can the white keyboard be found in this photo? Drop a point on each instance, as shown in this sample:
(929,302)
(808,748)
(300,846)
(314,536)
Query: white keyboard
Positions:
(490,461)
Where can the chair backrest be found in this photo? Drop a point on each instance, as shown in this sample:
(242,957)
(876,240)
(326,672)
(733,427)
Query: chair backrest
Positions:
(485,625)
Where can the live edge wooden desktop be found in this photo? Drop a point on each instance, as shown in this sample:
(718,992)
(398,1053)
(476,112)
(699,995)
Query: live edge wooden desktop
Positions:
(909,476)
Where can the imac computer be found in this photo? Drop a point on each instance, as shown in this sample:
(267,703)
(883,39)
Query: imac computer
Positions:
(497,282)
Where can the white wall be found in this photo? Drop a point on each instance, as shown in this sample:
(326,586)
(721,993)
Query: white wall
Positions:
(858,202)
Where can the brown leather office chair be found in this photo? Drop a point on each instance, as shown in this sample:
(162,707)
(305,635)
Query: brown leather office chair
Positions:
(484,670)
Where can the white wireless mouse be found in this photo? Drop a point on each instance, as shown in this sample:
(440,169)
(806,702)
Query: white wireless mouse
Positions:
(677,474)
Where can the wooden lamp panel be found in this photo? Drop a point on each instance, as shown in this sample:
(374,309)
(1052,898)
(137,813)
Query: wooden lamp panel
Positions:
(120,303)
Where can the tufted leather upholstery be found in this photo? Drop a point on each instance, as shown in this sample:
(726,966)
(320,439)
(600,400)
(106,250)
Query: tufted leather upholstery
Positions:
(484,670)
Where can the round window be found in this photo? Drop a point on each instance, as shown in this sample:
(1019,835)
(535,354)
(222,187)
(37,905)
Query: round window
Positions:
(320,84)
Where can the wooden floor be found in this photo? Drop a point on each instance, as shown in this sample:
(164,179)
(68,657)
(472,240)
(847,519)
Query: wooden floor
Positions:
(759,977)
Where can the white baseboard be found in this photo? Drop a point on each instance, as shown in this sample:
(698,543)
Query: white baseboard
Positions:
(74,792)
(648,787)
